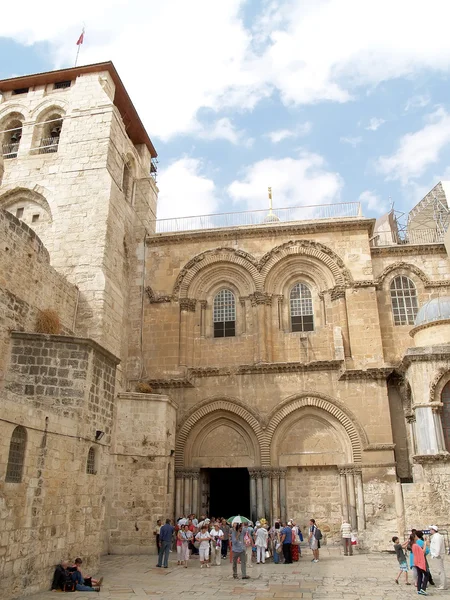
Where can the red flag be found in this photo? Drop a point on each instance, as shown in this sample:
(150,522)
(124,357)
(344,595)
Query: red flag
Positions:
(80,39)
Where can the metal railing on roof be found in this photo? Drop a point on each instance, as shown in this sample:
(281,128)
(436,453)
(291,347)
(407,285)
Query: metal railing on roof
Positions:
(259,217)
(413,236)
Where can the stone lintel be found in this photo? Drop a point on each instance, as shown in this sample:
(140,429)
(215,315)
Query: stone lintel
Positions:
(65,339)
(142,397)
(426,353)
(371,373)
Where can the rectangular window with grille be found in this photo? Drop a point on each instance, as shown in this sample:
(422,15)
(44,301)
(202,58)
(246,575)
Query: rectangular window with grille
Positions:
(90,465)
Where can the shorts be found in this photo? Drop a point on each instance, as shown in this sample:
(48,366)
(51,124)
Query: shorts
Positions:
(204,553)
(314,544)
(403,567)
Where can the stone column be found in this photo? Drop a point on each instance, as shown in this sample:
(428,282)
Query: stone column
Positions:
(276,512)
(361,513)
(399,508)
(194,503)
(187,493)
(344,496)
(351,499)
(178,494)
(427,437)
(203,305)
(259,301)
(266,493)
(283,508)
(187,307)
(253,504)
(259,495)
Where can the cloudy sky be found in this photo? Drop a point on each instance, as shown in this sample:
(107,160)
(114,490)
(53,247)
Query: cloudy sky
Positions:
(324,100)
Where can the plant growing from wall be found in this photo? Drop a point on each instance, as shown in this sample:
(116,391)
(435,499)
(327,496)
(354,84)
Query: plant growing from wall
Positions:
(144,388)
(47,321)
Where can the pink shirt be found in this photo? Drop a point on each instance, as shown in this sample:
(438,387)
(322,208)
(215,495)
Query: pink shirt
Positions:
(419,557)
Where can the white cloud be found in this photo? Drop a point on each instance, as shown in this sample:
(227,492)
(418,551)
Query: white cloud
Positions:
(223,129)
(282,134)
(419,101)
(417,151)
(375,123)
(185,191)
(294,181)
(353,141)
(177,57)
(373,202)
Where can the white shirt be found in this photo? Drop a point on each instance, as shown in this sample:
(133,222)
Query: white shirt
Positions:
(437,545)
(203,538)
(213,533)
(261,537)
(346,530)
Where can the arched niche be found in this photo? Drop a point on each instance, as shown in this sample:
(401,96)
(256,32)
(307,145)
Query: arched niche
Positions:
(310,437)
(221,440)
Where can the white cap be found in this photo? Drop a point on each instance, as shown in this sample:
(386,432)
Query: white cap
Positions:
(434,527)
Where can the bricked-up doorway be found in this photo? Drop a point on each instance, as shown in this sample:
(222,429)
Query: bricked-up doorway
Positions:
(229,492)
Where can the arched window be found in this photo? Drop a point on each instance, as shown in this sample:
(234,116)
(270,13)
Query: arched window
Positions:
(91,460)
(11,127)
(224,314)
(302,317)
(16,457)
(404,300)
(445,416)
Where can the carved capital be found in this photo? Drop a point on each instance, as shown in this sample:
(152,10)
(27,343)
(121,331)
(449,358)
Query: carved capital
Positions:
(432,458)
(337,292)
(410,418)
(260,298)
(188,304)
(203,304)
(254,473)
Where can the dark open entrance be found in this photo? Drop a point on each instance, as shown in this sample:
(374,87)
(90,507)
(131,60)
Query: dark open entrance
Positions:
(229,492)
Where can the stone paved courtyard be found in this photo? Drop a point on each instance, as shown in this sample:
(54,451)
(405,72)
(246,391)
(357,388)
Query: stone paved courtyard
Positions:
(335,577)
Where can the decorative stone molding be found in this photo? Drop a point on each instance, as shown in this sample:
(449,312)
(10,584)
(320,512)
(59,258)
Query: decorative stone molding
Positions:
(223,254)
(355,432)
(312,248)
(440,379)
(261,231)
(219,405)
(203,303)
(433,405)
(337,292)
(426,354)
(170,383)
(410,418)
(379,447)
(375,373)
(408,250)
(363,283)
(254,473)
(411,269)
(260,298)
(414,330)
(154,299)
(431,458)
(288,367)
(188,304)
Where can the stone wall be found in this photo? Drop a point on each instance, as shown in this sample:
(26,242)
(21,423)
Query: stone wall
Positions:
(142,488)
(28,283)
(61,390)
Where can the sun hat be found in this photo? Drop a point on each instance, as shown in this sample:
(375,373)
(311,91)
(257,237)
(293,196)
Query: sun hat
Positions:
(434,527)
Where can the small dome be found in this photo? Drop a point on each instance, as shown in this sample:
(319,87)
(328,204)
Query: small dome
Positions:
(437,309)
(271,218)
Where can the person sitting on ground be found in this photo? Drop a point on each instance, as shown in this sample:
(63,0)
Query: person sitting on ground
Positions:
(400,552)
(62,578)
(84,584)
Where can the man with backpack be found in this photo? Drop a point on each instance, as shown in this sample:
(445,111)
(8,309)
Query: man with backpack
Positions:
(315,535)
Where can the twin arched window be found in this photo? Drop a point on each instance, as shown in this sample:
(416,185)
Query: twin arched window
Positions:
(224,314)
(404,300)
(16,458)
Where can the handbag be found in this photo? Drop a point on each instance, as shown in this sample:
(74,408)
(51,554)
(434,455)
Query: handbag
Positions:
(279,548)
(267,554)
(197,545)
(295,539)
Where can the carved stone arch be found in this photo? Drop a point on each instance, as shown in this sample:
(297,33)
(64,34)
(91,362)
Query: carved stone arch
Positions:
(298,267)
(384,279)
(311,248)
(11,109)
(354,430)
(47,106)
(219,405)
(217,255)
(223,275)
(440,380)
(35,195)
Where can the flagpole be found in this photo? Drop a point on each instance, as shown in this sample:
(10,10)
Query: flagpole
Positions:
(80,41)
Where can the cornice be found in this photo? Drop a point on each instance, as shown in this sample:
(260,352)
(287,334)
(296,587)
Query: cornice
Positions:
(414,330)
(379,447)
(426,354)
(170,383)
(263,230)
(156,299)
(408,249)
(381,373)
(263,368)
(432,458)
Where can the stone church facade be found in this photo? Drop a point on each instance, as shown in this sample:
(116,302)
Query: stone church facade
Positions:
(301,366)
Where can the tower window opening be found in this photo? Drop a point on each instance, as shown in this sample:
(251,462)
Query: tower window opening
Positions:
(20,91)
(19,213)
(61,85)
